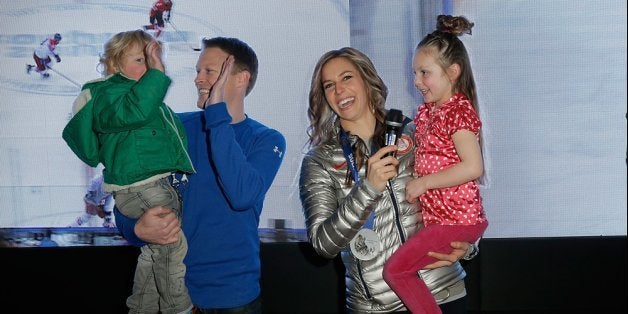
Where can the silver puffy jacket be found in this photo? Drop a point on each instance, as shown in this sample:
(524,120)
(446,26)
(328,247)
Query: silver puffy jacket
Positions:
(335,212)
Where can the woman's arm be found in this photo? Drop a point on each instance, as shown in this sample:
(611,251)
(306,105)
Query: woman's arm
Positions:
(332,222)
(461,250)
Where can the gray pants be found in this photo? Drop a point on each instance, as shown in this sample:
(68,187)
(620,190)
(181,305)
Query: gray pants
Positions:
(159,285)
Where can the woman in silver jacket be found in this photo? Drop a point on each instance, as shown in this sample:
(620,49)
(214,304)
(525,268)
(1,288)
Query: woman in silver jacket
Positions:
(353,190)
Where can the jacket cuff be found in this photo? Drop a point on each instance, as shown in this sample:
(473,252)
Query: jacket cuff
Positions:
(370,190)
(472,251)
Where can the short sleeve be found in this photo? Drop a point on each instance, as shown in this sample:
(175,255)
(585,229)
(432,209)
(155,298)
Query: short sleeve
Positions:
(463,117)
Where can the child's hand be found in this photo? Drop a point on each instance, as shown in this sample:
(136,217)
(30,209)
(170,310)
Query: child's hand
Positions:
(153,56)
(414,189)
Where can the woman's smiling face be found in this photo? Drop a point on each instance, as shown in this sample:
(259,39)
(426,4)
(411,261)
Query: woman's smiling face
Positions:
(345,89)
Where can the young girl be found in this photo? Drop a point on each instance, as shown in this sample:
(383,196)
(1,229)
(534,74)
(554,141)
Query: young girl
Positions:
(122,122)
(448,160)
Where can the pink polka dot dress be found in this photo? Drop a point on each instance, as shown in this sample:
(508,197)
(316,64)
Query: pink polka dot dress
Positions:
(458,205)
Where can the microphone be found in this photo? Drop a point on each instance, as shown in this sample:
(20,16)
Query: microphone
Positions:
(394,122)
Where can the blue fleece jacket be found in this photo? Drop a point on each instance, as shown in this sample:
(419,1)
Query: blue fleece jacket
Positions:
(235,166)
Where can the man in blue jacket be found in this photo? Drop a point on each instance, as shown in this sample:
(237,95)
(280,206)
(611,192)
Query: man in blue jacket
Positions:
(236,160)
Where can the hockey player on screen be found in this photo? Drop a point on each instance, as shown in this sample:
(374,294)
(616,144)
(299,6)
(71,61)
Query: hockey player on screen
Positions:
(43,55)
(97,203)
(159,12)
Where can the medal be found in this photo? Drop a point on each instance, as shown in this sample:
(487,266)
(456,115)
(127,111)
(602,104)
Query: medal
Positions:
(365,245)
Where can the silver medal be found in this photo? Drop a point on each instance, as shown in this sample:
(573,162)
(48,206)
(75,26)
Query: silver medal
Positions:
(365,245)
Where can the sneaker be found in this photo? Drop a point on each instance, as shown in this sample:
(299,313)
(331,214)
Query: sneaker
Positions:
(29,68)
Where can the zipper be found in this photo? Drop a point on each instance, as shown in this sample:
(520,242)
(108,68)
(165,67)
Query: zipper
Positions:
(402,236)
(393,199)
(173,125)
(366,288)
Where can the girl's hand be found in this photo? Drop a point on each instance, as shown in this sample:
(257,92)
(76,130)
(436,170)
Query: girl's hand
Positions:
(380,170)
(414,189)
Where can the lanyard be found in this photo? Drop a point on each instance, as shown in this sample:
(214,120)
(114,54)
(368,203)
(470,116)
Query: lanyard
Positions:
(353,167)
(348,152)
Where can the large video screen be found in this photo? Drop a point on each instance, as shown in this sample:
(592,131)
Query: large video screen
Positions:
(551,79)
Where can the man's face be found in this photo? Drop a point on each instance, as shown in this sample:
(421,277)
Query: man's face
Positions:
(208,69)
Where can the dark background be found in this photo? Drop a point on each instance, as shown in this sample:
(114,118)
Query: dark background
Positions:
(523,275)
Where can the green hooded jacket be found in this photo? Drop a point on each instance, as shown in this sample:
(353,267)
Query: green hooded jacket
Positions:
(125,125)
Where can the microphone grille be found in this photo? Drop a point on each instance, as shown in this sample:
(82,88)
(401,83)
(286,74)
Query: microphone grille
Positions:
(394,117)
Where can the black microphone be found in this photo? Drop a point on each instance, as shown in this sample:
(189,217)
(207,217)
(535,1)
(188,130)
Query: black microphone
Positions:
(394,123)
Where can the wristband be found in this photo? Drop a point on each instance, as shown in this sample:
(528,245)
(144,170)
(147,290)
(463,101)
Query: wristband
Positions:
(472,251)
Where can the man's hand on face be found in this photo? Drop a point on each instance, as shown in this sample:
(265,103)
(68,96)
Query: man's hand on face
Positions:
(217,92)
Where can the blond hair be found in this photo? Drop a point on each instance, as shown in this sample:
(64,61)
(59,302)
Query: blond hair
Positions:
(119,44)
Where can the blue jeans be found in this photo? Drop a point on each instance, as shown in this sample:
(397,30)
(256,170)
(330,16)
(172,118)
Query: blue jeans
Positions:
(159,282)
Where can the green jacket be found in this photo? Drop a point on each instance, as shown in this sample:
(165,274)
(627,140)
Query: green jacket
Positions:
(125,125)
